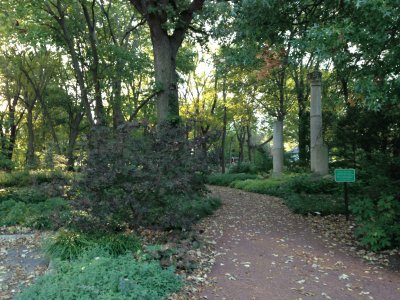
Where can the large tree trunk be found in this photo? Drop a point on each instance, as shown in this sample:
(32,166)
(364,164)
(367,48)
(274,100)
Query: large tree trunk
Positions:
(223,141)
(13,128)
(30,153)
(165,75)
(249,143)
(165,48)
(72,136)
(50,125)
(224,126)
(118,118)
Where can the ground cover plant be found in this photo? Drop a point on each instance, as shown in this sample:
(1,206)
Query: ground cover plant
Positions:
(302,193)
(96,274)
(227,179)
(50,213)
(68,244)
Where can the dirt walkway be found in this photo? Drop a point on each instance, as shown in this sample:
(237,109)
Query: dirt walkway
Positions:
(266,252)
(21,261)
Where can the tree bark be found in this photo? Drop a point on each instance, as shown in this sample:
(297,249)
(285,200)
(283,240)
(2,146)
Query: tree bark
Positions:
(165,48)
(225,121)
(13,126)
(30,153)
(249,144)
(165,73)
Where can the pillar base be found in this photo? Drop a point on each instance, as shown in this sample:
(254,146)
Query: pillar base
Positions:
(319,160)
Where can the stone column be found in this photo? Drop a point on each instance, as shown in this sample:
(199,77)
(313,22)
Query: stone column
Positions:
(277,149)
(319,151)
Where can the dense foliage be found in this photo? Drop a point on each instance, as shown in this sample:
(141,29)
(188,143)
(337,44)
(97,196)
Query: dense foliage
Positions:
(96,274)
(134,180)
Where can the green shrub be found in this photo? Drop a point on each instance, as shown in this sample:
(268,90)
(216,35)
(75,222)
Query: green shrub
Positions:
(25,195)
(378,222)
(16,178)
(243,167)
(227,179)
(67,245)
(43,215)
(26,178)
(181,212)
(13,213)
(39,177)
(50,214)
(261,186)
(98,275)
(309,184)
(5,163)
(322,204)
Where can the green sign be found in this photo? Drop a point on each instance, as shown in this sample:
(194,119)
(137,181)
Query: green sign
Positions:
(345,175)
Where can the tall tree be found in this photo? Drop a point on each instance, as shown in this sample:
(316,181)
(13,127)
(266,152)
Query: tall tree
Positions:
(169,21)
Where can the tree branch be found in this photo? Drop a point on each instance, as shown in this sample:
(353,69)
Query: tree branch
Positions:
(140,106)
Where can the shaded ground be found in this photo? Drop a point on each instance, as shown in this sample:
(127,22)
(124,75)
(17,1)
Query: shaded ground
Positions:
(263,251)
(252,248)
(20,261)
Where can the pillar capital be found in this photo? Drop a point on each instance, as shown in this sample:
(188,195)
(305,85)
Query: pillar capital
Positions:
(315,76)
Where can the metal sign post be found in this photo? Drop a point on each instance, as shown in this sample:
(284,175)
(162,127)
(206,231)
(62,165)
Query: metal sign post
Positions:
(345,176)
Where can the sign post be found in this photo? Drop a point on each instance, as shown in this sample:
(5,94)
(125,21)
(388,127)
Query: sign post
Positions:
(345,176)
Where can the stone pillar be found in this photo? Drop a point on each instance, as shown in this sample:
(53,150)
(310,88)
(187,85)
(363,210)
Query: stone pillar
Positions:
(319,151)
(277,149)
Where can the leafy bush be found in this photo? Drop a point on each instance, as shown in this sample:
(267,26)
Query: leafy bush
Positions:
(25,195)
(26,178)
(263,160)
(39,177)
(227,179)
(181,212)
(12,213)
(243,167)
(68,245)
(98,275)
(378,222)
(309,184)
(17,178)
(48,214)
(130,176)
(322,204)
(261,186)
(5,163)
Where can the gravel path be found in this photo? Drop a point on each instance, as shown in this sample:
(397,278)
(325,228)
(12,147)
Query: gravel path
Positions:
(263,251)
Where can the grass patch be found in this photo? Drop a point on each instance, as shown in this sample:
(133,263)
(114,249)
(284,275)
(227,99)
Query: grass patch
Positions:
(96,274)
(227,179)
(68,245)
